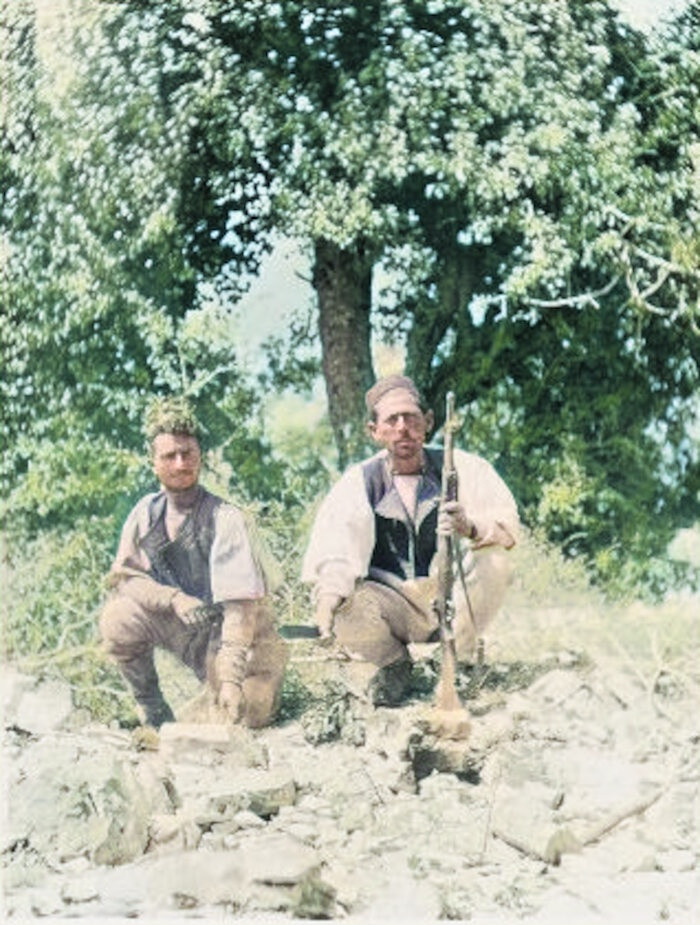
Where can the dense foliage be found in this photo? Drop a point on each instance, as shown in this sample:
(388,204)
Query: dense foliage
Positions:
(524,174)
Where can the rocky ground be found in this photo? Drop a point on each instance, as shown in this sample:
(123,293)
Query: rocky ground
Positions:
(574,798)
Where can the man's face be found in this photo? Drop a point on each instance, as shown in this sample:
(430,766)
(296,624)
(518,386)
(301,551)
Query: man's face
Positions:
(400,426)
(176,461)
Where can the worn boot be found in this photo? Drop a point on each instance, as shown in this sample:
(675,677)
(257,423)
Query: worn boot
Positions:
(390,685)
(141,674)
(158,712)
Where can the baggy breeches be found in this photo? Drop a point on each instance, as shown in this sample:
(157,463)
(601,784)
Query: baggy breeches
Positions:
(131,631)
(377,622)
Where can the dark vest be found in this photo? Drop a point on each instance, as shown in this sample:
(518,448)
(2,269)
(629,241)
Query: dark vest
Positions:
(183,562)
(402,546)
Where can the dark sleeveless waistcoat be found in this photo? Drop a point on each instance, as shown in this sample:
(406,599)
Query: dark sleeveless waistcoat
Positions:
(183,562)
(402,546)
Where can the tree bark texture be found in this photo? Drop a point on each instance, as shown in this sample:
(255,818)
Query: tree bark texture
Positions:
(343,282)
(431,323)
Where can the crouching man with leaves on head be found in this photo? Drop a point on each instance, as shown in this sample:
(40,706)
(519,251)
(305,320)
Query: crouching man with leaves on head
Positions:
(186,578)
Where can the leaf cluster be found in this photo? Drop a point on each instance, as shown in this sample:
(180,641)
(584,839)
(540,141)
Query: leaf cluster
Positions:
(525,174)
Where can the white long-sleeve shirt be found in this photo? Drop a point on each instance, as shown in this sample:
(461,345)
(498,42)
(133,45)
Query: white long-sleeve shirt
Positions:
(343,534)
(234,572)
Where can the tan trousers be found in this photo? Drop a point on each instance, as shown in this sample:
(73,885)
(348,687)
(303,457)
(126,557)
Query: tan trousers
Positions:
(378,621)
(131,631)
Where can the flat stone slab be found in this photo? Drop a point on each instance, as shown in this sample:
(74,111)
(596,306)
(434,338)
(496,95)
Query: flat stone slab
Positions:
(37,707)
(182,739)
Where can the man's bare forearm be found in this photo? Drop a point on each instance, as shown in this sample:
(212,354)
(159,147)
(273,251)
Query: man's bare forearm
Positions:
(237,634)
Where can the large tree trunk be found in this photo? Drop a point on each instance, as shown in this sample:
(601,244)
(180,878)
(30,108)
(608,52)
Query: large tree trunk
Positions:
(343,283)
(432,321)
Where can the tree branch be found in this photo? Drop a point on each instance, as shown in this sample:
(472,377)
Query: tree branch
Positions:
(668,265)
(577,301)
(198,384)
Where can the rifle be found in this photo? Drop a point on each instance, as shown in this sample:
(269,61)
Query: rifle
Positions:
(447,553)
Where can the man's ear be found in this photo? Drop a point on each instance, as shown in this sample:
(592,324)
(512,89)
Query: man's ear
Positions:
(429,421)
(371,428)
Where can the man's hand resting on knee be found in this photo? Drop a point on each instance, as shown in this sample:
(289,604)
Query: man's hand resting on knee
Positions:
(326,606)
(231,700)
(191,610)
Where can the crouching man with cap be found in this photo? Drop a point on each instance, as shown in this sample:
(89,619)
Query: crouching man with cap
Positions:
(186,578)
(374,537)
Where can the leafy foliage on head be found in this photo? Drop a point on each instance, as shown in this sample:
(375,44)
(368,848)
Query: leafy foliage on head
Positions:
(170,414)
